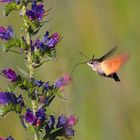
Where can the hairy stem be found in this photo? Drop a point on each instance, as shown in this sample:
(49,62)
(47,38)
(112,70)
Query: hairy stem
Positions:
(31,72)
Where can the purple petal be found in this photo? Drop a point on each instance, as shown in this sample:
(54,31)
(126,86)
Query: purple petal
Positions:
(40,114)
(72,120)
(46,37)
(2,138)
(36,12)
(51,121)
(7,97)
(69,132)
(38,83)
(62,121)
(8,1)
(9,138)
(63,81)
(29,117)
(2,29)
(53,40)
(6,33)
(10,74)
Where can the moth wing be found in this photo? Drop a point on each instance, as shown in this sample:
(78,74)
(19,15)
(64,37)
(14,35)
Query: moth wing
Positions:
(112,65)
(107,54)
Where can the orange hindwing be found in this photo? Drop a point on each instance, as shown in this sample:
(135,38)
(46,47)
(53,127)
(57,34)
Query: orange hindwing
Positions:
(112,65)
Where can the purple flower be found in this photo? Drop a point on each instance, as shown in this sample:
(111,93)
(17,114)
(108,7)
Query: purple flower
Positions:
(46,37)
(9,1)
(6,1)
(10,97)
(51,121)
(36,12)
(63,81)
(50,124)
(20,100)
(35,119)
(64,125)
(7,97)
(2,138)
(29,116)
(9,138)
(62,121)
(38,83)
(6,34)
(46,86)
(47,42)
(69,121)
(69,132)
(40,45)
(53,40)
(10,74)
(40,115)
(72,120)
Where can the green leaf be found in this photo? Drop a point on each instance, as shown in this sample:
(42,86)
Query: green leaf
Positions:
(11,87)
(23,72)
(32,26)
(31,128)
(40,57)
(13,42)
(10,7)
(36,57)
(51,52)
(23,44)
(18,108)
(6,108)
(24,84)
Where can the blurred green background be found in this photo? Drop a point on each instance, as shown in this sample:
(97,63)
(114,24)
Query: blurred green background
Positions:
(107,110)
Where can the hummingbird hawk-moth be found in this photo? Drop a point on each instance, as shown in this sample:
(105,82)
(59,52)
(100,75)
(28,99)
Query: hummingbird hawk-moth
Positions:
(106,67)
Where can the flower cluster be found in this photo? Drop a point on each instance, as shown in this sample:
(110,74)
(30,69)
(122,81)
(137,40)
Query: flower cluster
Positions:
(10,98)
(36,12)
(47,41)
(54,127)
(33,113)
(43,93)
(10,102)
(36,119)
(63,125)
(41,49)
(45,47)
(63,81)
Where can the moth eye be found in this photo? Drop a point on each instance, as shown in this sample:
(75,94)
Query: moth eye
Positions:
(91,62)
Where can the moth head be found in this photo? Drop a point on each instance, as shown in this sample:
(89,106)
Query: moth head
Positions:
(93,64)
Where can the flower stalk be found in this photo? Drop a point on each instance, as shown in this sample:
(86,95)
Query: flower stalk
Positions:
(45,125)
(30,68)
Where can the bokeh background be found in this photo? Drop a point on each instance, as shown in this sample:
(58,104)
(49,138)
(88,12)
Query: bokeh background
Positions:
(107,110)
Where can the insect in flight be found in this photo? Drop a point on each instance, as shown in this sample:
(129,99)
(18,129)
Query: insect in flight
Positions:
(104,66)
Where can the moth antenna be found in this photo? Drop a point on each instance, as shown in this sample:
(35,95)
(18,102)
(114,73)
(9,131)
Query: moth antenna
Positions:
(93,57)
(75,66)
(1,89)
(84,55)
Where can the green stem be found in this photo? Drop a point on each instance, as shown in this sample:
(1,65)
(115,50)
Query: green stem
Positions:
(29,63)
(31,72)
